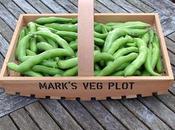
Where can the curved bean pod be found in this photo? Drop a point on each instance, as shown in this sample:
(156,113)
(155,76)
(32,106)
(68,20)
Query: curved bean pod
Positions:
(62,27)
(32,74)
(116,33)
(124,51)
(46,20)
(139,61)
(66,64)
(32,28)
(29,63)
(56,38)
(22,46)
(44,46)
(110,68)
(71,72)
(118,43)
(46,70)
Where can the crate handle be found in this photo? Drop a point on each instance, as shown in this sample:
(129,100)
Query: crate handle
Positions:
(85,37)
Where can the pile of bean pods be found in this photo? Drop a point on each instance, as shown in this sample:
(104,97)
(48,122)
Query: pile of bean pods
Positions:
(48,47)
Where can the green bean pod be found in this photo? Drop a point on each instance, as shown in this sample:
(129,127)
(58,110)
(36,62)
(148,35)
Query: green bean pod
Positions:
(47,20)
(34,60)
(71,72)
(30,53)
(73,45)
(132,25)
(110,68)
(72,35)
(116,33)
(124,51)
(22,33)
(62,27)
(66,64)
(102,56)
(99,35)
(56,38)
(32,28)
(118,43)
(44,46)
(139,61)
(49,63)
(46,70)
(155,51)
(52,43)
(22,46)
(32,74)
(159,65)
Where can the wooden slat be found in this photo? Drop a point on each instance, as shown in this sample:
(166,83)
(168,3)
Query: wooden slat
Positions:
(12,103)
(172,59)
(166,9)
(67,5)
(172,37)
(145,115)
(5,30)
(75,2)
(54,6)
(39,6)
(127,6)
(168,25)
(1,61)
(119,111)
(61,116)
(23,120)
(7,17)
(3,45)
(169,100)
(12,7)
(170,44)
(163,112)
(164,6)
(25,6)
(112,6)
(81,115)
(41,117)
(103,116)
(7,124)
(139,4)
(172,89)
(101,8)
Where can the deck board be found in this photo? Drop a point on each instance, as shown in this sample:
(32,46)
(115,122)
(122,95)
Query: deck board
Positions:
(7,124)
(61,116)
(120,112)
(23,120)
(157,112)
(41,117)
(145,115)
(39,6)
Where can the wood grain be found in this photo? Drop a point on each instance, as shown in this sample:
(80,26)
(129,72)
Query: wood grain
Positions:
(54,6)
(7,124)
(41,117)
(152,104)
(103,116)
(82,115)
(12,7)
(39,6)
(145,115)
(120,112)
(23,120)
(60,115)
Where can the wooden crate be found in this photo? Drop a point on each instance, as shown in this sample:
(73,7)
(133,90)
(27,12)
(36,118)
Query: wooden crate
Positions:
(87,87)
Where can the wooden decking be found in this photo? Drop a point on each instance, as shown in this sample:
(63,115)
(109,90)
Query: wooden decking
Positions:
(157,112)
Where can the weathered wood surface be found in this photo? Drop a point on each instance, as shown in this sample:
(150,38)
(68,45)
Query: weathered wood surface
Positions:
(157,112)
